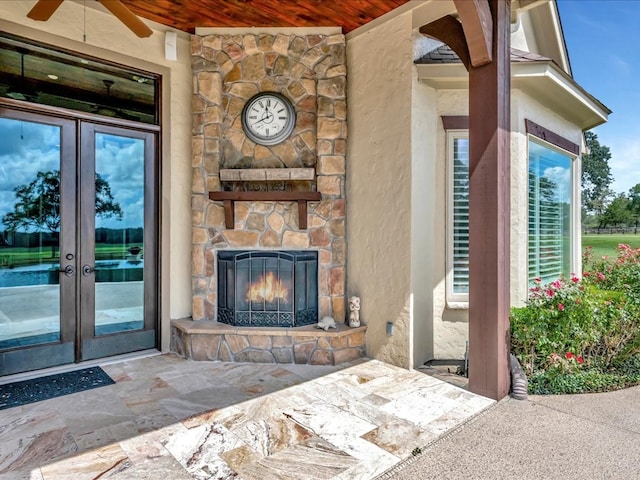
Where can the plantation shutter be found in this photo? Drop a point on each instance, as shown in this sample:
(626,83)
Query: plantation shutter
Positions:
(549,219)
(460,220)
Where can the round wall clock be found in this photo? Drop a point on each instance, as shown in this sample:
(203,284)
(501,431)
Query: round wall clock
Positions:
(268,118)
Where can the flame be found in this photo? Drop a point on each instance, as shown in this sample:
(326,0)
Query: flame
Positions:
(267,288)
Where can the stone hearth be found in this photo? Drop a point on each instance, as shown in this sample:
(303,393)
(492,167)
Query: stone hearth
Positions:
(207,340)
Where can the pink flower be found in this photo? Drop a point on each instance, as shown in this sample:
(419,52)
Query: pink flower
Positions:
(537,280)
(556,284)
(580,360)
(569,355)
(585,274)
(561,307)
(550,292)
(601,276)
(575,279)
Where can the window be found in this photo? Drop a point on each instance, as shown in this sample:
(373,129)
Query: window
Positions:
(458,217)
(550,207)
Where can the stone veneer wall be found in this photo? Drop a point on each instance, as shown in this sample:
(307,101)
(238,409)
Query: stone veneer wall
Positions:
(311,71)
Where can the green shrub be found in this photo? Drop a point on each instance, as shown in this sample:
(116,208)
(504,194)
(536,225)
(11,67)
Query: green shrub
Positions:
(582,334)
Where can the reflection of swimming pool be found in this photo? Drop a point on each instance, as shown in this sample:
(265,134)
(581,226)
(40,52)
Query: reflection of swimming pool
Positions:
(47,273)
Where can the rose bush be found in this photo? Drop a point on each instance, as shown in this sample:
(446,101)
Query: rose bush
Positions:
(583,333)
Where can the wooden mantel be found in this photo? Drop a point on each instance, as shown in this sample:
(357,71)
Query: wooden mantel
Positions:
(229,199)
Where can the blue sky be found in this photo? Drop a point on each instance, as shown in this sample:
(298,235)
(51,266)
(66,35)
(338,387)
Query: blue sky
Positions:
(603,39)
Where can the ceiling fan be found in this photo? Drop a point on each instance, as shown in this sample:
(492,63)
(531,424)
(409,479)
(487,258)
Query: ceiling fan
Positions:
(45,8)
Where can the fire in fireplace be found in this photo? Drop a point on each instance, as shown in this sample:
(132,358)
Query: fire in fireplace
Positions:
(268,288)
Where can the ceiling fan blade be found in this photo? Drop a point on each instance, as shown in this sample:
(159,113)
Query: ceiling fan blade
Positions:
(127,17)
(44,9)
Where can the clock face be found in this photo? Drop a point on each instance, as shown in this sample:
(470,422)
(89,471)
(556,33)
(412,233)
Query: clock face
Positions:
(268,118)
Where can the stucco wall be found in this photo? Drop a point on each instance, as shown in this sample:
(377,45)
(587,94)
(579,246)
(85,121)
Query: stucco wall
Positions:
(107,38)
(450,325)
(379,158)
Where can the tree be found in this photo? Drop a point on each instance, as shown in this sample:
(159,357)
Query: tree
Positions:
(37,204)
(596,176)
(618,212)
(634,205)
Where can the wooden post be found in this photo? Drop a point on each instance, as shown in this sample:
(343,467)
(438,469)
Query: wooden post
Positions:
(489,213)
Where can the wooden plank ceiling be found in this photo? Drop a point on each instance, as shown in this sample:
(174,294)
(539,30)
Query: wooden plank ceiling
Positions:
(186,15)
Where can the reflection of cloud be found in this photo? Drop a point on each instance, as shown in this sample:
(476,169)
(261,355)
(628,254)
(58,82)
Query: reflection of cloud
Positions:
(561,177)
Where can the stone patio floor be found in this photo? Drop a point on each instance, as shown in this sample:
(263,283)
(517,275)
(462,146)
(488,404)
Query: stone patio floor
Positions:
(169,418)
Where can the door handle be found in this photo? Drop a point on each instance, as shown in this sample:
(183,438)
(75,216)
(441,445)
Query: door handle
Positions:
(87,270)
(68,270)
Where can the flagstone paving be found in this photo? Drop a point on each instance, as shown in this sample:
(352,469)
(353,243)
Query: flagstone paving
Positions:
(168,418)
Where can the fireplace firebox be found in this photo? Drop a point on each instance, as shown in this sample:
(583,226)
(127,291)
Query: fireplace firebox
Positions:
(268,288)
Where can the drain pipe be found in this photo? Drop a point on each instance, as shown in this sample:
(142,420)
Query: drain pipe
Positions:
(519,382)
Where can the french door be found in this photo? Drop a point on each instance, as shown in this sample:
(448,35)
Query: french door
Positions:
(78,240)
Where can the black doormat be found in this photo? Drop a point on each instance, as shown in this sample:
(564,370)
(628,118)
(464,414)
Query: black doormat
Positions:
(51,386)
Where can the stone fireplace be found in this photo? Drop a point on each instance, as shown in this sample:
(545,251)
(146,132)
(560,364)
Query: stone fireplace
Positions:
(269,198)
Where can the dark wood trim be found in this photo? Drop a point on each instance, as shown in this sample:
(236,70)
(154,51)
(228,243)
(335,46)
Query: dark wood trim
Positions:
(477,24)
(490,214)
(229,199)
(449,30)
(551,137)
(455,122)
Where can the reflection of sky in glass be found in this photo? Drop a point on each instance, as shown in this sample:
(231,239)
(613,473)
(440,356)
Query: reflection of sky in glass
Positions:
(120,161)
(26,148)
(554,166)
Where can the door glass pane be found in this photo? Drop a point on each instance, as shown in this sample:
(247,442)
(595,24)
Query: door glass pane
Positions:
(29,233)
(119,220)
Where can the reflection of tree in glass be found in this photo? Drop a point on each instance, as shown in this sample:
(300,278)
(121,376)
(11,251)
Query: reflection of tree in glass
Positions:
(38,203)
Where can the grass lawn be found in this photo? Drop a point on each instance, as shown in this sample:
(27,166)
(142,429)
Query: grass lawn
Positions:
(606,245)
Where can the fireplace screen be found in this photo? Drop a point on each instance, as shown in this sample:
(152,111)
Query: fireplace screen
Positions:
(268,288)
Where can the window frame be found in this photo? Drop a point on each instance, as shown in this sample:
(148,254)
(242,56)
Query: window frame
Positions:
(546,140)
(453,300)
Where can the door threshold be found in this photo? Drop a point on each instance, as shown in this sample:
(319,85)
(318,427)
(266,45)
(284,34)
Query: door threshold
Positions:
(17,377)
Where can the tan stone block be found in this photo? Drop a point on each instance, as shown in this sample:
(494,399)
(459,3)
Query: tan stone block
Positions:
(215,216)
(213,114)
(265,42)
(338,342)
(196,123)
(234,51)
(268,85)
(339,310)
(307,104)
(213,183)
(336,71)
(212,131)
(336,281)
(321,357)
(339,250)
(336,227)
(235,107)
(329,128)
(303,174)
(331,165)
(329,185)
(325,107)
(297,46)
(332,87)
(199,201)
(340,146)
(336,39)
(323,285)
(249,44)
(323,343)
(212,41)
(210,86)
(304,339)
(197,147)
(325,147)
(296,90)
(255,221)
(242,211)
(262,152)
(338,208)
(276,222)
(269,239)
(292,239)
(196,44)
(263,342)
(223,59)
(197,181)
(324,256)
(253,68)
(324,306)
(346,355)
(340,109)
(281,44)
(205,347)
(239,238)
(197,260)
(323,208)
(199,235)
(302,352)
(198,105)
(243,90)
(230,175)
(209,259)
(357,339)
(197,217)
(237,343)
(305,121)
(235,138)
(314,221)
(309,138)
(224,352)
(282,341)
(234,75)
(319,238)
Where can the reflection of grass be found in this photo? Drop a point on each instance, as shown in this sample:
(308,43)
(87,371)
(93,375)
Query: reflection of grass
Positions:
(23,256)
(606,245)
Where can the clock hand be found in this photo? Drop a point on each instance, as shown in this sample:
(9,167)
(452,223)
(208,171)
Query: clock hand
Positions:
(268,116)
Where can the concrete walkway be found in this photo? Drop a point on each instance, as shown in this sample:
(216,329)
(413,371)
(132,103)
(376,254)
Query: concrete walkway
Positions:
(591,436)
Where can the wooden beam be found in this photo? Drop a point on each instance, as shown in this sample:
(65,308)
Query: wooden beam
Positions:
(475,16)
(489,214)
(449,30)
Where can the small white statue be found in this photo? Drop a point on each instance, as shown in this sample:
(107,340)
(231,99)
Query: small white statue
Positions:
(354,312)
(326,323)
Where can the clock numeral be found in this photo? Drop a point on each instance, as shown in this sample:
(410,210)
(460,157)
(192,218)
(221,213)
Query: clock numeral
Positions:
(268,102)
(282,118)
(267,132)
(253,117)
(261,104)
